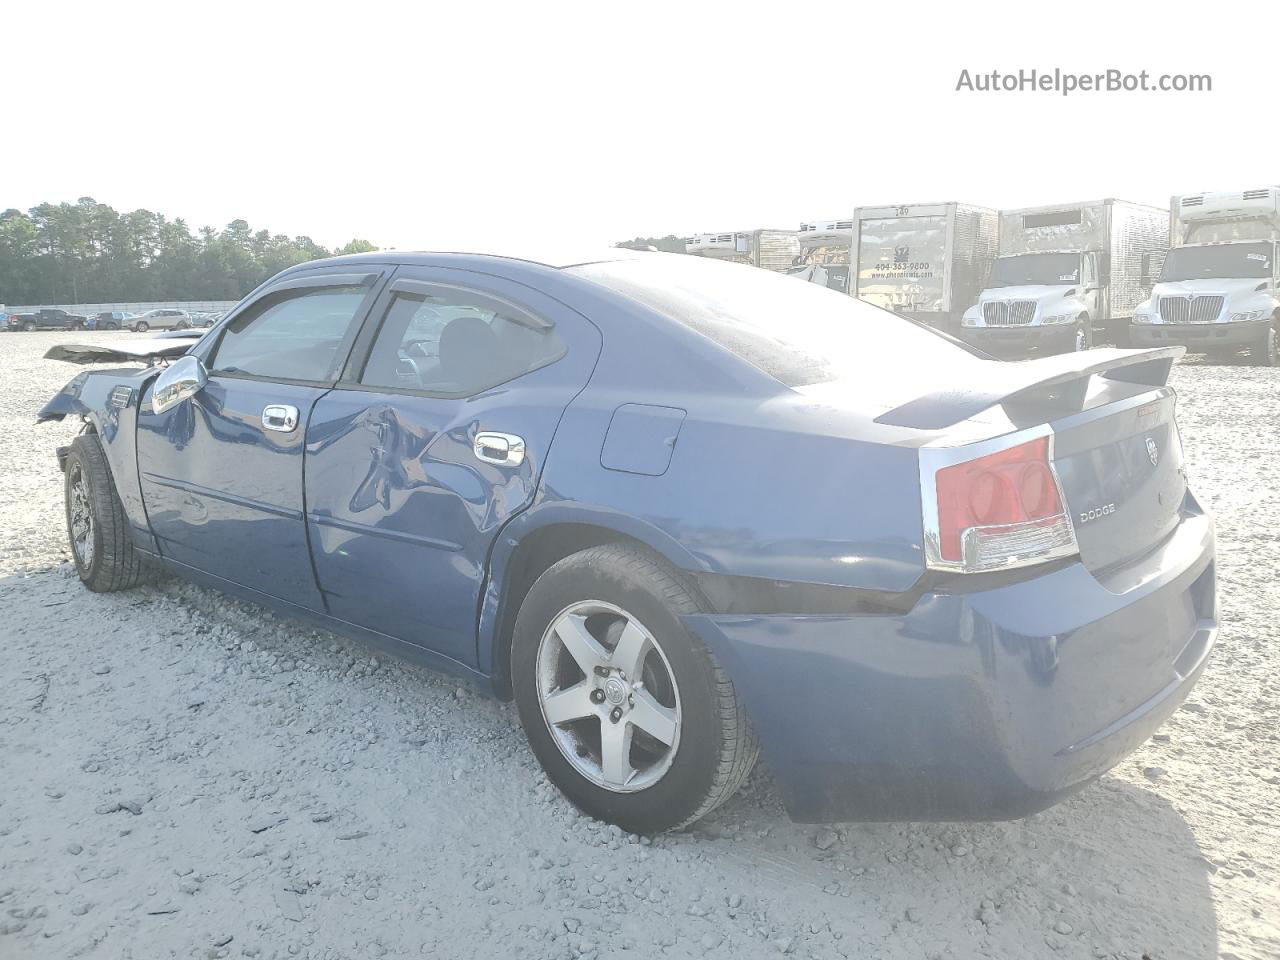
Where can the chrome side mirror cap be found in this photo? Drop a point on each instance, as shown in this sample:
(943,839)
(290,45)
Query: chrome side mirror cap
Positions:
(179,381)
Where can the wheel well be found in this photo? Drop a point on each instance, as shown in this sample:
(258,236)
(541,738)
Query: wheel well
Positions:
(535,554)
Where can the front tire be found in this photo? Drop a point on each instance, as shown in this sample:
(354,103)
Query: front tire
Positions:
(1084,336)
(628,713)
(141,326)
(105,557)
(1266,352)
(29,327)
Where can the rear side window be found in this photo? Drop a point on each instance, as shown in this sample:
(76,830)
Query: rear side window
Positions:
(456,343)
(300,336)
(799,333)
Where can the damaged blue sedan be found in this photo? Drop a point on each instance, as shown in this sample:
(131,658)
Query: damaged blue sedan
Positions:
(683,512)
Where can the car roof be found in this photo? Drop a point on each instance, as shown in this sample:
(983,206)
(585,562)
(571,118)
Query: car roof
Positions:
(549,256)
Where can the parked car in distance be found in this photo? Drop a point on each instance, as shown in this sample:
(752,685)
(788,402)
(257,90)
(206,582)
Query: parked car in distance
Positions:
(163,318)
(20,321)
(112,320)
(681,511)
(49,318)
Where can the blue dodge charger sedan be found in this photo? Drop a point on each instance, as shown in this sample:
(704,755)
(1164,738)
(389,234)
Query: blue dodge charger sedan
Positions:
(684,513)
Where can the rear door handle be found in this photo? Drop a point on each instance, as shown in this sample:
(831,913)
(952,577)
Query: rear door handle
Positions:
(281,417)
(505,449)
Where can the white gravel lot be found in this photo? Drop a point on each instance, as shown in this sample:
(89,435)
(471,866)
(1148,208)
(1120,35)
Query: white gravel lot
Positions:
(188,776)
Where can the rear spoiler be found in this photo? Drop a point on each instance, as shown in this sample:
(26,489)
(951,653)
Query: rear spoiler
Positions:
(1029,389)
(123,351)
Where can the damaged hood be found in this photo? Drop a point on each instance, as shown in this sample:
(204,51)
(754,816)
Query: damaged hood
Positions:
(124,351)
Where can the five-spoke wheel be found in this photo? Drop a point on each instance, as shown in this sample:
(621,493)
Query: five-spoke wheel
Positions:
(609,697)
(628,713)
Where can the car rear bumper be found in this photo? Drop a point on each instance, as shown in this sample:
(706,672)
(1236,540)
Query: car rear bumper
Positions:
(986,705)
(1055,337)
(1203,336)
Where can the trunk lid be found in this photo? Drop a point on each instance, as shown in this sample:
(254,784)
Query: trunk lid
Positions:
(1122,475)
(1115,441)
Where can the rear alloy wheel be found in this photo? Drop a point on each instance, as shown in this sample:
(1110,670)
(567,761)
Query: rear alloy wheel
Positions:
(105,557)
(1264,352)
(628,713)
(612,703)
(182,325)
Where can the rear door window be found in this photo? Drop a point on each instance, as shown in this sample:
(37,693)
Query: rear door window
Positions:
(452,342)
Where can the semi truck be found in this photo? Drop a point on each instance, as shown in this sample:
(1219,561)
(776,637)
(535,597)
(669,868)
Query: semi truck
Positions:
(927,261)
(825,250)
(1067,274)
(1217,290)
(770,249)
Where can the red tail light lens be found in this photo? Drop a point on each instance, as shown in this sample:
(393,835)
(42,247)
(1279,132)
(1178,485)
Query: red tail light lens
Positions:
(1002,510)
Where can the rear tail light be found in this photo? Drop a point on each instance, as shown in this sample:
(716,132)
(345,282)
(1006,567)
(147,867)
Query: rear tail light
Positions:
(1001,510)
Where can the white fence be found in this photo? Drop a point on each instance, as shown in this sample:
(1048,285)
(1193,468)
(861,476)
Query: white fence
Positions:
(89,309)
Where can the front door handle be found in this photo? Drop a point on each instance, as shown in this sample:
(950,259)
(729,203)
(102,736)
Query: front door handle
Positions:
(281,417)
(505,449)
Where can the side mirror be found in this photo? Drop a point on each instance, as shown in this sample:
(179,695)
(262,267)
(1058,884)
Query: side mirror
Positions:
(182,379)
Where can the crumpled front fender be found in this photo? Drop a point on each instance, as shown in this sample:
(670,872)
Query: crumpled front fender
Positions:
(65,401)
(108,401)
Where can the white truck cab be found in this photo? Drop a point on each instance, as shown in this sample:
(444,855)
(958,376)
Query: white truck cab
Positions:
(1066,274)
(826,247)
(1217,292)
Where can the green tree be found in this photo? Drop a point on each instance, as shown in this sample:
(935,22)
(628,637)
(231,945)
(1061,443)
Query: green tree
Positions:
(86,252)
(356,246)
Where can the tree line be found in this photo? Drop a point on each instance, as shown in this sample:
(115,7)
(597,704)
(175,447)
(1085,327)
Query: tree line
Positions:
(87,252)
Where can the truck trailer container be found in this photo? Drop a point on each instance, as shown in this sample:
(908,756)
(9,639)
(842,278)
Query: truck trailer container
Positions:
(1218,287)
(770,249)
(926,261)
(1067,274)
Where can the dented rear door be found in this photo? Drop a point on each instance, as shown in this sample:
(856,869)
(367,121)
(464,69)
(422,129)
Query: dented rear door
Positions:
(402,504)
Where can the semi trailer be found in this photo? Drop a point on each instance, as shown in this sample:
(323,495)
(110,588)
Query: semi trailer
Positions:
(926,261)
(1217,290)
(770,249)
(1067,274)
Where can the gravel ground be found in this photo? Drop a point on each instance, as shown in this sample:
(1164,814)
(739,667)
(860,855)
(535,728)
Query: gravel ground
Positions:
(188,776)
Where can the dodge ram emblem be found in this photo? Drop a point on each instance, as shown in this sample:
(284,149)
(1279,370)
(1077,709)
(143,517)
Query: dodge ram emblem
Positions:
(1153,451)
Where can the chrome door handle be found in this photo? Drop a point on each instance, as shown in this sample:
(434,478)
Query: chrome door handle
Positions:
(502,448)
(281,417)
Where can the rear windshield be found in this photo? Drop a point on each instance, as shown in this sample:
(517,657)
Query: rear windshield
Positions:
(797,332)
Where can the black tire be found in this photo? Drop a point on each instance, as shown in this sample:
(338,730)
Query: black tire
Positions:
(1083,339)
(113,326)
(716,747)
(1266,352)
(141,326)
(182,325)
(114,563)
(29,327)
